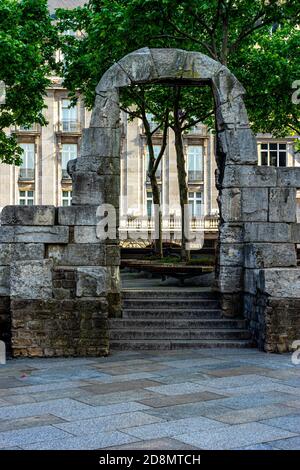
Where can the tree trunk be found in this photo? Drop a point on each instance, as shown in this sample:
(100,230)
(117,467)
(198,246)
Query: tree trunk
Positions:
(181,175)
(158,245)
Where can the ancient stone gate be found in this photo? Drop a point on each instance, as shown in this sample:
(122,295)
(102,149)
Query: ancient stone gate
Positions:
(59,282)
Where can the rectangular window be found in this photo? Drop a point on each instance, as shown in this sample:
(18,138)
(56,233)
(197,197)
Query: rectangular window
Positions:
(27,166)
(149,204)
(273,154)
(195,204)
(69,117)
(68,152)
(26,198)
(66,198)
(156,149)
(195,163)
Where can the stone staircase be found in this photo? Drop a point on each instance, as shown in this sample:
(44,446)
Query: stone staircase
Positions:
(175,319)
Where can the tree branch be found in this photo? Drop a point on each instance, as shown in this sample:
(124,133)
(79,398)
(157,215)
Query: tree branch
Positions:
(196,121)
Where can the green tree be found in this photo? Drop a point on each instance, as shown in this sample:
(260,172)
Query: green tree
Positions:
(28,40)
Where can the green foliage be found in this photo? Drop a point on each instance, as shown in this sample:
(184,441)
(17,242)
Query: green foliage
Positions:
(28,41)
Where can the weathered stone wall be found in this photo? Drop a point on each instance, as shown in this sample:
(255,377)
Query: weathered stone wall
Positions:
(53,291)
(271,276)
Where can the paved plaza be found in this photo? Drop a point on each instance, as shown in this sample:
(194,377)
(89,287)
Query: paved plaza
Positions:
(204,399)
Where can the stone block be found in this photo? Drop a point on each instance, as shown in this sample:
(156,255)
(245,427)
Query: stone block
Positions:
(239,146)
(34,234)
(91,189)
(113,256)
(230,279)
(232,114)
(86,234)
(231,254)
(249,176)
(28,215)
(97,281)
(139,66)
(114,77)
(31,280)
(169,63)
(98,234)
(227,85)
(231,233)
(267,232)
(269,255)
(10,252)
(198,66)
(255,204)
(295,228)
(282,205)
(4,280)
(280,282)
(288,177)
(230,205)
(106,112)
(83,254)
(7,234)
(103,141)
(251,280)
(98,164)
(77,215)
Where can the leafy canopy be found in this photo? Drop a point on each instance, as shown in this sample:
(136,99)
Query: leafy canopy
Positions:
(28,40)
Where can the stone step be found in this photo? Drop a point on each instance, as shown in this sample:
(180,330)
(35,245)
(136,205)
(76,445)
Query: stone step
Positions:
(170,303)
(172,313)
(119,323)
(164,294)
(178,333)
(135,345)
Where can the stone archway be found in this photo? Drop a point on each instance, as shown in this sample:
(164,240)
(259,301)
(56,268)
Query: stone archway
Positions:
(59,282)
(236,145)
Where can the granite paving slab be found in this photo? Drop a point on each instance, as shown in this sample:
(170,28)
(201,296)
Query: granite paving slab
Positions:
(107,423)
(119,397)
(172,428)
(155,444)
(208,409)
(234,437)
(19,437)
(98,411)
(99,388)
(177,389)
(290,423)
(31,421)
(61,406)
(293,443)
(255,414)
(101,440)
(169,400)
(253,400)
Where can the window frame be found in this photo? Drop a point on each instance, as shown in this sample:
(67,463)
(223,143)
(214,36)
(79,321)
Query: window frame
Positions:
(267,153)
(67,121)
(201,161)
(67,199)
(192,201)
(71,156)
(26,198)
